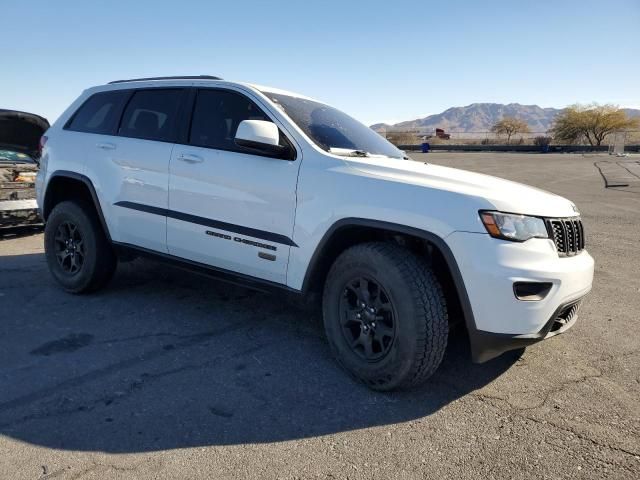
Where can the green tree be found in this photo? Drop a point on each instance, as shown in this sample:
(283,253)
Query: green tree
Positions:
(510,126)
(593,122)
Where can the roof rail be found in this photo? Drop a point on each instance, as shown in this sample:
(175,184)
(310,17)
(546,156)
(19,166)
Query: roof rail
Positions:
(179,77)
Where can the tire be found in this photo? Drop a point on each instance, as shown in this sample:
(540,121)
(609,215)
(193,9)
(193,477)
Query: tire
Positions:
(406,345)
(87,263)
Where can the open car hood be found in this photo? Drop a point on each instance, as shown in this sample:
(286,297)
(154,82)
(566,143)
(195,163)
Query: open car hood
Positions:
(21,131)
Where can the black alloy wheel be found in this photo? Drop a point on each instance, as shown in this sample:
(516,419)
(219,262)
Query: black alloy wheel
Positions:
(69,248)
(367,318)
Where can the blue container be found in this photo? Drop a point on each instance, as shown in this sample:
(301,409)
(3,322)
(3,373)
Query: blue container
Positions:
(425,148)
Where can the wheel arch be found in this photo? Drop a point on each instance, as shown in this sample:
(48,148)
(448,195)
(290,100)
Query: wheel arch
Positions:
(68,185)
(351,231)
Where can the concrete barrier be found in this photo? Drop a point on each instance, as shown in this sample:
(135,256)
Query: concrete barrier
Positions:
(519,148)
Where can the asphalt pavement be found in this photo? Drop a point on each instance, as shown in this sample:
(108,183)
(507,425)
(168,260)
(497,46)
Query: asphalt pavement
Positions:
(167,374)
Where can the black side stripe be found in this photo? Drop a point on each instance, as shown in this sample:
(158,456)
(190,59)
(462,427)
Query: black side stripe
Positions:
(208,222)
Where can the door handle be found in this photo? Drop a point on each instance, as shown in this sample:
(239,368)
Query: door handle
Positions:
(106,146)
(190,158)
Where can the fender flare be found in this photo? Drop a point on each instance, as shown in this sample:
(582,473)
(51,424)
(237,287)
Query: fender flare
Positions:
(436,240)
(87,182)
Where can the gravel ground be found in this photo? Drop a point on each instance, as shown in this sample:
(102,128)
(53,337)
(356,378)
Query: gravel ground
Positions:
(165,374)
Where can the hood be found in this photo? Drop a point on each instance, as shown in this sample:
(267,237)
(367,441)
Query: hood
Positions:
(21,132)
(496,193)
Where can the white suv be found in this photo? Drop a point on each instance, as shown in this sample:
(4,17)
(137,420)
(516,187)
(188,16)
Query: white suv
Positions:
(278,191)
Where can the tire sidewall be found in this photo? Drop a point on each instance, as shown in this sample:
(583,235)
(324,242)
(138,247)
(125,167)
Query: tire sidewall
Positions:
(393,368)
(76,214)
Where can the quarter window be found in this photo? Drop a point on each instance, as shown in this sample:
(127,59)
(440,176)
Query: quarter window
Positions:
(152,114)
(100,113)
(216,116)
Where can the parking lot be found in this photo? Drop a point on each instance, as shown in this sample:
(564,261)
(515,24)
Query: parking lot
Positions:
(166,374)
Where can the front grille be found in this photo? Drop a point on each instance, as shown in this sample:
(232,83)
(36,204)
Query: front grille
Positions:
(567,234)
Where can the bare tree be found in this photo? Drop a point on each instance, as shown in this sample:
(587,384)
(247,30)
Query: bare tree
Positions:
(510,126)
(593,122)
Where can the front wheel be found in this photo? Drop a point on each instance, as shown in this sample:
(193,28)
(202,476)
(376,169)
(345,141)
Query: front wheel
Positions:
(385,316)
(78,253)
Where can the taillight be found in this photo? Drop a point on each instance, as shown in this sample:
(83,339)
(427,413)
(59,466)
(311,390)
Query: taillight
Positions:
(43,142)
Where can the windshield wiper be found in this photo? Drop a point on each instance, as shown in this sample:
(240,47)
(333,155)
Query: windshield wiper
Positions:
(348,152)
(352,152)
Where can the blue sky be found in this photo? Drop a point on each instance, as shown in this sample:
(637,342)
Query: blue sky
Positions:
(379,61)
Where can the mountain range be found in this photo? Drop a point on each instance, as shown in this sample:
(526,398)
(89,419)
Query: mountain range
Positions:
(479,117)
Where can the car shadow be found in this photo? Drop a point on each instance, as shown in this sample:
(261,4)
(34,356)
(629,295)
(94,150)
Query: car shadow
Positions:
(164,359)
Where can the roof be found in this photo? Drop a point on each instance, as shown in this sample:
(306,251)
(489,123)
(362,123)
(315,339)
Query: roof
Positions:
(178,77)
(206,78)
(279,91)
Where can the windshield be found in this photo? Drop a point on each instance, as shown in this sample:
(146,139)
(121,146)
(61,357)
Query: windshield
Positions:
(332,129)
(9,156)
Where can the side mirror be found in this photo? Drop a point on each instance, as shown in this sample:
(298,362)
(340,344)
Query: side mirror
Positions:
(262,137)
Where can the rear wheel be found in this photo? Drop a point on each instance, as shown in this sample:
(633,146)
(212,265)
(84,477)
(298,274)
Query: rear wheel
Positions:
(385,316)
(78,253)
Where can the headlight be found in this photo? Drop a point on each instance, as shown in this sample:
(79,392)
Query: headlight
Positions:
(510,226)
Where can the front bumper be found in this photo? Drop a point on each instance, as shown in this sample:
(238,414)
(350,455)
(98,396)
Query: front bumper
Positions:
(489,269)
(488,345)
(14,213)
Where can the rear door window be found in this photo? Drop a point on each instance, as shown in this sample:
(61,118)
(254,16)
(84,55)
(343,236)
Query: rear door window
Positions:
(152,114)
(100,113)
